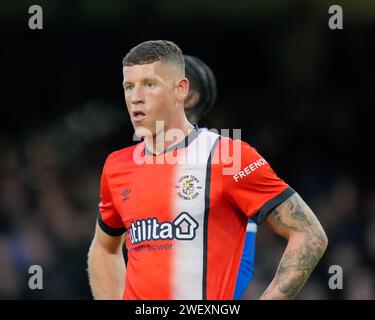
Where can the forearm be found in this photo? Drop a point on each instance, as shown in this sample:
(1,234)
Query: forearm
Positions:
(303,252)
(106,273)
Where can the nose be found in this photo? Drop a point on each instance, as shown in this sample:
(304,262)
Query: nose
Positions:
(137,95)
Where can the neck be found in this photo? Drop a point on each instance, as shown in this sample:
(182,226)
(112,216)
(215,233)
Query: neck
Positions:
(168,137)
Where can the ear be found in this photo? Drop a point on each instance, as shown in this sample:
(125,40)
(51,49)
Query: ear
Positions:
(182,89)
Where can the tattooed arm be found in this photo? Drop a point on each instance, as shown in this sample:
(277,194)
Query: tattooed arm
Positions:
(307,242)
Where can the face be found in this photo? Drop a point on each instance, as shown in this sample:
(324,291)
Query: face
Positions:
(152,93)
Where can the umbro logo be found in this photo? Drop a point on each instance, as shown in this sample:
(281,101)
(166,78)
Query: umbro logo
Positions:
(125,194)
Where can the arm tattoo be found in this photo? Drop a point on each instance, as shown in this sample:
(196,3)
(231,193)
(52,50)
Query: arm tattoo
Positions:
(294,217)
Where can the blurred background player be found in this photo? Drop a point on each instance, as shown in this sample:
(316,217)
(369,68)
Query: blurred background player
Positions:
(199,101)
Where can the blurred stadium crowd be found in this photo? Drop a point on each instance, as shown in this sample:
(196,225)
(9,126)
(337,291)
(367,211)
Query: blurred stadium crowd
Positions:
(301,95)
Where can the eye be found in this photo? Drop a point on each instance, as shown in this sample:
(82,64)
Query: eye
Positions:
(149,84)
(128,87)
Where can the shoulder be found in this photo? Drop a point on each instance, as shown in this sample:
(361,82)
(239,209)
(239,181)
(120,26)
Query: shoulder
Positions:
(124,155)
(230,144)
(231,150)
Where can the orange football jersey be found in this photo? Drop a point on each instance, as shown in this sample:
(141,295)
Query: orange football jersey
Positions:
(185,213)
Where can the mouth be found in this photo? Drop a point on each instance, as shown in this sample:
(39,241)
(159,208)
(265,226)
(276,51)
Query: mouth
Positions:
(138,115)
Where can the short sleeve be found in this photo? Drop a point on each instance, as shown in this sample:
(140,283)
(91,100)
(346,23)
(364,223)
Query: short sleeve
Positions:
(255,189)
(109,219)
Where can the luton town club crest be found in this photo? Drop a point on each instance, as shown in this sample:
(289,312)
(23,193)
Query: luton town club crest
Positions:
(188,187)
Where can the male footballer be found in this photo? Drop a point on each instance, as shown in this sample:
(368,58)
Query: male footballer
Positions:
(183,197)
